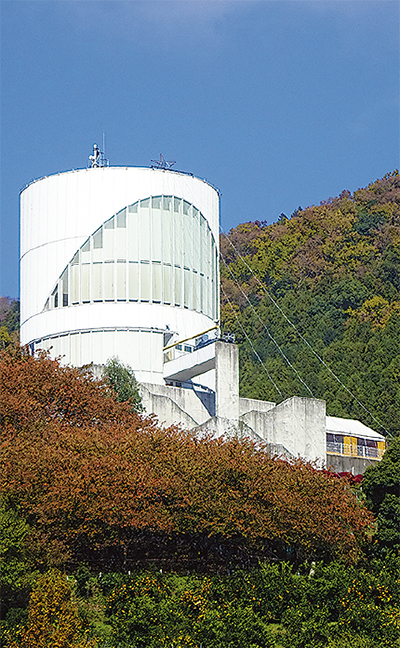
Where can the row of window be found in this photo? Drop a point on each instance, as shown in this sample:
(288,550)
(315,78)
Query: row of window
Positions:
(132,281)
(160,250)
(343,445)
(142,233)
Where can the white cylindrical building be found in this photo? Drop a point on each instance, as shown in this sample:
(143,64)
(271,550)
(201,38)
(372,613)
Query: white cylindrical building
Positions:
(116,259)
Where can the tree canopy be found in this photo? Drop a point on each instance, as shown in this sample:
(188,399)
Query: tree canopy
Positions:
(381,484)
(93,479)
(333,271)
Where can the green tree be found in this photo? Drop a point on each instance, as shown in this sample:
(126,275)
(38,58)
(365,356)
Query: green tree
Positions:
(16,574)
(122,379)
(381,484)
(9,314)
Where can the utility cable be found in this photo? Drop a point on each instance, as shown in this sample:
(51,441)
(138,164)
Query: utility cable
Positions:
(251,344)
(266,292)
(268,333)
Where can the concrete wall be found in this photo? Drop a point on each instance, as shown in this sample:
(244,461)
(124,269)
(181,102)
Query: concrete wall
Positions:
(253,405)
(298,424)
(177,405)
(354,465)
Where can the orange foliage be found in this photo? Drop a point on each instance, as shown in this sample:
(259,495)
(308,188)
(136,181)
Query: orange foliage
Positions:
(90,475)
(53,620)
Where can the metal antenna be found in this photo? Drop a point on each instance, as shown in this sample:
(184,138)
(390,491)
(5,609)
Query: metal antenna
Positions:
(162,163)
(98,159)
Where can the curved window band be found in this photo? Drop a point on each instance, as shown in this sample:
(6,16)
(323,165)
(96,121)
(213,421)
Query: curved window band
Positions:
(160,250)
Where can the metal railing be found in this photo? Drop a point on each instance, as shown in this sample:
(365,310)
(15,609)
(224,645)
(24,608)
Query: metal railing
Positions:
(353,450)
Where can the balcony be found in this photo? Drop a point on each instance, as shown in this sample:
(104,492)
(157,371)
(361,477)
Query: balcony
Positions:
(353,450)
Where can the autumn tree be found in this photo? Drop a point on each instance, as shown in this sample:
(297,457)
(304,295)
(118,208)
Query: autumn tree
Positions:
(53,619)
(98,482)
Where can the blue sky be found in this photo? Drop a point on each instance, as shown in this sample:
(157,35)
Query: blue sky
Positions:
(278,104)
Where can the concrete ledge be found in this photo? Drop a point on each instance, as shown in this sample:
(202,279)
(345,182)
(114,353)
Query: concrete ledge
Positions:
(189,365)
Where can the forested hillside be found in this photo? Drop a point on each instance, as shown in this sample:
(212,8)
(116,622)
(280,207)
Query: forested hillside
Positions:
(318,294)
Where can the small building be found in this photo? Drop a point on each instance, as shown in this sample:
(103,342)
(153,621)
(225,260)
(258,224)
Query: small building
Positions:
(351,446)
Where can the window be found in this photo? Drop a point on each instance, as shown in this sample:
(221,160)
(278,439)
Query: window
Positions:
(75,275)
(133,208)
(367,448)
(97,282)
(159,249)
(110,223)
(121,280)
(144,281)
(335,443)
(98,239)
(85,283)
(55,297)
(178,286)
(64,286)
(121,218)
(167,202)
(109,281)
(178,247)
(85,252)
(133,281)
(156,235)
(196,291)
(188,241)
(144,234)
(167,238)
(167,284)
(187,289)
(157,282)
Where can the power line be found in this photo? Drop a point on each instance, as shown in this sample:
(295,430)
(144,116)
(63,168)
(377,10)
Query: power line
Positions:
(251,344)
(321,360)
(268,333)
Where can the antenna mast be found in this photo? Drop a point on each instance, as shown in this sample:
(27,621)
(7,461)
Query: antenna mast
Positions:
(162,163)
(98,159)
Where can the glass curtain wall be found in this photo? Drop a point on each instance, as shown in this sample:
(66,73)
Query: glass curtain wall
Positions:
(158,250)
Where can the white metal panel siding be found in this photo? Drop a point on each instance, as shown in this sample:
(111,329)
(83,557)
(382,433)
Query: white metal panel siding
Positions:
(59,212)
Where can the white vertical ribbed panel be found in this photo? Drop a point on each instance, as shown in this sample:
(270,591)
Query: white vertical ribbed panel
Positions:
(117,247)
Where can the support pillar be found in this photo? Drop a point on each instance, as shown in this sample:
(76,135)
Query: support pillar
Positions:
(227,384)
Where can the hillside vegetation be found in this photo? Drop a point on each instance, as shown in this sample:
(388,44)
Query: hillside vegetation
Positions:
(116,533)
(100,483)
(333,271)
